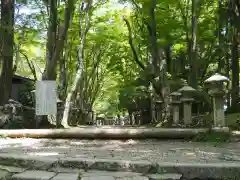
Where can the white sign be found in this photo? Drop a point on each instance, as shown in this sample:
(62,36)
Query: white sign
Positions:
(46,98)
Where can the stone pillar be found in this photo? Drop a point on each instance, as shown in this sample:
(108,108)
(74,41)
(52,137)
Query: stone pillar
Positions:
(159,107)
(187,110)
(175,114)
(218,111)
(175,102)
(217,91)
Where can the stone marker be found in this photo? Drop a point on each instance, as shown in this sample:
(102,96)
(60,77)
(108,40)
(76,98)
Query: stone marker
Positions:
(217,92)
(187,103)
(175,102)
(33,175)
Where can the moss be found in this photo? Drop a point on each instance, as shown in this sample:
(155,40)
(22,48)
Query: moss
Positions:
(210,136)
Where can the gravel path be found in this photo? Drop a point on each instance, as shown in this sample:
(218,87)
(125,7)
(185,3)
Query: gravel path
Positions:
(151,150)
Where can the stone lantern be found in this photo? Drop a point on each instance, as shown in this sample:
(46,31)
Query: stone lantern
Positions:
(175,102)
(187,100)
(217,91)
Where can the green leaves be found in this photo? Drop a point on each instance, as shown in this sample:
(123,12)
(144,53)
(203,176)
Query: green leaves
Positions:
(117,79)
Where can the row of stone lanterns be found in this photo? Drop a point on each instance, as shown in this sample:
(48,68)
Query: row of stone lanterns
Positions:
(183,96)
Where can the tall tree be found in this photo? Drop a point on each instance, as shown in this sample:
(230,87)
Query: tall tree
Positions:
(193,56)
(7,43)
(85,7)
(56,36)
(234,20)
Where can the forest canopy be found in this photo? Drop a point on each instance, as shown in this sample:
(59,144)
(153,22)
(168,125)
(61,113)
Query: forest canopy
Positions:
(115,56)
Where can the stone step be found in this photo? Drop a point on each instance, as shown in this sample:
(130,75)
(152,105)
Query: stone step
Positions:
(81,175)
(73,164)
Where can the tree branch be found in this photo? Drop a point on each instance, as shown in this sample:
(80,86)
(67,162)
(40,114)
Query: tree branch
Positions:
(30,65)
(130,40)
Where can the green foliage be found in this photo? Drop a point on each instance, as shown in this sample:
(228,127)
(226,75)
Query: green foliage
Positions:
(133,97)
(117,82)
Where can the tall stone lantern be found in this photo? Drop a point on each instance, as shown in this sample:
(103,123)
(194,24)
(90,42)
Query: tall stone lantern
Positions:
(187,100)
(217,91)
(175,102)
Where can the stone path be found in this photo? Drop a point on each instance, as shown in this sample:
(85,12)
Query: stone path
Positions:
(83,159)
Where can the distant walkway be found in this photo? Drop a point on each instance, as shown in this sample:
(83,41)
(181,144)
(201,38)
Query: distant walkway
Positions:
(149,156)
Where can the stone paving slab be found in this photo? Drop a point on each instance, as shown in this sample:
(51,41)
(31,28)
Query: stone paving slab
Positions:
(66,176)
(118,174)
(90,175)
(65,170)
(12,169)
(24,160)
(98,178)
(187,170)
(164,176)
(4,174)
(33,175)
(134,178)
(153,151)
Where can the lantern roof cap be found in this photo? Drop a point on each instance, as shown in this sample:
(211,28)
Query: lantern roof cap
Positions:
(216,78)
(187,88)
(176,93)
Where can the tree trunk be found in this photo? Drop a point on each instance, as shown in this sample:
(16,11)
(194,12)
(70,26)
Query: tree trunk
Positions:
(7,37)
(221,61)
(51,37)
(193,60)
(56,40)
(234,19)
(63,75)
(235,71)
(153,39)
(55,44)
(72,94)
